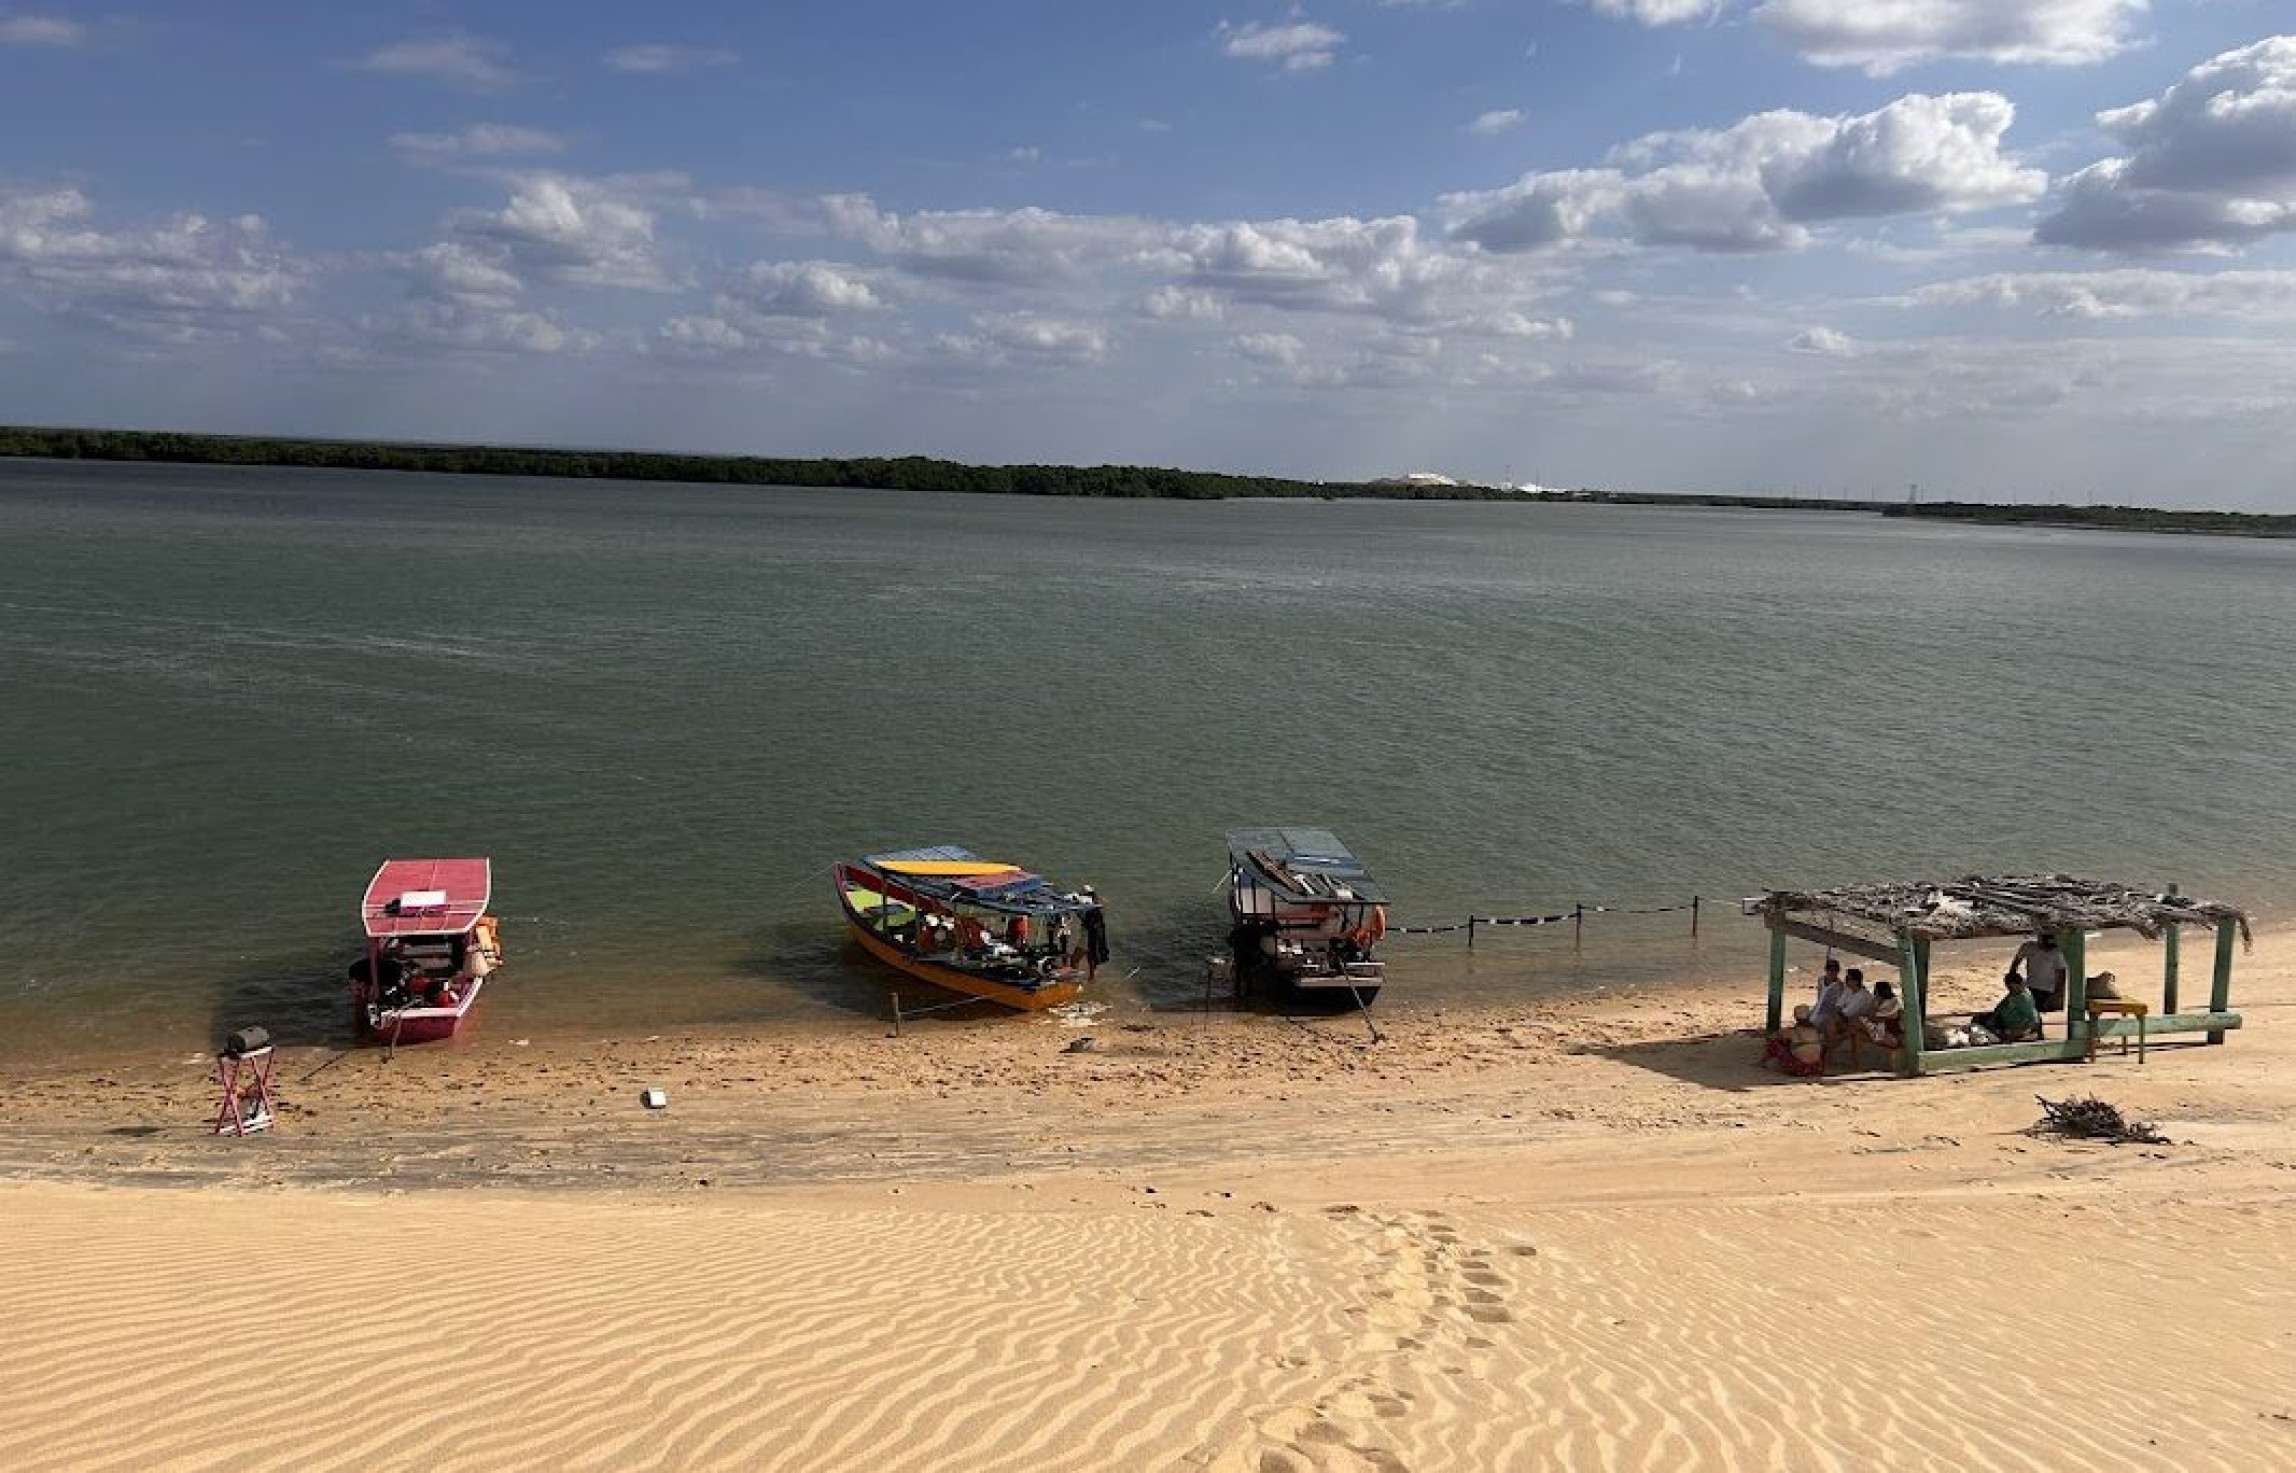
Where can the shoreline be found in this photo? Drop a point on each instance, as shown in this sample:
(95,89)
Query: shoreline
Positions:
(852,1101)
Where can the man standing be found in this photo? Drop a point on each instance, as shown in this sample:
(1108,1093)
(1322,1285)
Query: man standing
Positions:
(2042,966)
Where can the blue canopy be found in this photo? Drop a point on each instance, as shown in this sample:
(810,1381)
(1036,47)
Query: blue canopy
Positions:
(1303,865)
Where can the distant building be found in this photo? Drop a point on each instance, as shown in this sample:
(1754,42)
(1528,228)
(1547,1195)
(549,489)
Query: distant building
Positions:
(1416,478)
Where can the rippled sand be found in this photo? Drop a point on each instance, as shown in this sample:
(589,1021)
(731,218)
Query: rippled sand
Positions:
(1623,1251)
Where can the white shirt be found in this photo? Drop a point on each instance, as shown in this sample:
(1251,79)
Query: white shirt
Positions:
(1856,1001)
(2044,969)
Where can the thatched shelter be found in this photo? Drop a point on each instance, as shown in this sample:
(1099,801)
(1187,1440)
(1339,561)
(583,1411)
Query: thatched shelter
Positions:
(1897,924)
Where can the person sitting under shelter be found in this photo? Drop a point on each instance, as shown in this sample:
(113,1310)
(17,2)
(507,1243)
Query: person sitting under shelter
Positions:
(1830,978)
(1826,1015)
(1854,1003)
(2042,966)
(1885,1022)
(1799,1050)
(2014,1019)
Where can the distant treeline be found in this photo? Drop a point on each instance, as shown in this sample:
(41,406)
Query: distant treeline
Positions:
(894,473)
(2111,518)
(919,473)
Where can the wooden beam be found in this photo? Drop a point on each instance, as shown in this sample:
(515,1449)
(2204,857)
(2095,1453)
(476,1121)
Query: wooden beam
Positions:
(2118,1027)
(1872,951)
(2220,985)
(1777,981)
(1940,1061)
(1912,988)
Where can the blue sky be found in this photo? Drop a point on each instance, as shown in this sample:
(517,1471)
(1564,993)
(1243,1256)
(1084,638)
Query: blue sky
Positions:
(2005,248)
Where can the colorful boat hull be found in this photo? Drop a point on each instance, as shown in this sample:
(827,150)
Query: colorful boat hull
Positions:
(875,904)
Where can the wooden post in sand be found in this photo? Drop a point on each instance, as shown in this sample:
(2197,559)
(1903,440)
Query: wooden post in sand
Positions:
(1578,923)
(2220,984)
(896,1015)
(2168,965)
(1694,918)
(1777,978)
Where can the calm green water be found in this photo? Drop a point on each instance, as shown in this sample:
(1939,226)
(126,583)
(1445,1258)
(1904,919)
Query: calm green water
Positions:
(664,710)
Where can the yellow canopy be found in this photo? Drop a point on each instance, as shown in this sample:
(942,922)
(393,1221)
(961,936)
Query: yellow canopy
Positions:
(946,866)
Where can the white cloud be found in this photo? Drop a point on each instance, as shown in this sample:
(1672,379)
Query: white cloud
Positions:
(2211,162)
(1388,269)
(1498,120)
(1760,183)
(1884,36)
(475,328)
(808,289)
(1510,324)
(1297,45)
(1010,247)
(457,272)
(718,336)
(185,278)
(656,57)
(457,59)
(1183,304)
(1658,12)
(1823,341)
(479,140)
(2126,293)
(1040,336)
(25,28)
(1385,268)
(1280,348)
(565,228)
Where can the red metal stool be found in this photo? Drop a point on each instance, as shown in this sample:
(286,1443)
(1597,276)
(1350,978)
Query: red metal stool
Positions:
(243,1069)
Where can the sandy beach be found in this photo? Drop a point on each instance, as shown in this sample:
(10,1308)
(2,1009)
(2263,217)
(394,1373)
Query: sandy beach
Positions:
(1589,1235)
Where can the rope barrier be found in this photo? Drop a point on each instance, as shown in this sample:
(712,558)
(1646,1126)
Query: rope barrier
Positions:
(1576,915)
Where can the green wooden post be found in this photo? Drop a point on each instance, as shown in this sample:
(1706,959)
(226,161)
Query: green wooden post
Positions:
(2074,944)
(2220,985)
(1913,990)
(1777,979)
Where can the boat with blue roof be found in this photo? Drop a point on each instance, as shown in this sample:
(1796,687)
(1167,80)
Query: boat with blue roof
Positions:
(1304,917)
(981,928)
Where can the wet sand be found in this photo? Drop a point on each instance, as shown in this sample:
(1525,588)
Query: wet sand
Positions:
(1590,1234)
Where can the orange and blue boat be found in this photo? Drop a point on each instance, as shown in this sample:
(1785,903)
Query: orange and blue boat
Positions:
(977,927)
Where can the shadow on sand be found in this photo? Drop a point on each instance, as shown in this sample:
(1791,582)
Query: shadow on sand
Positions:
(1730,1062)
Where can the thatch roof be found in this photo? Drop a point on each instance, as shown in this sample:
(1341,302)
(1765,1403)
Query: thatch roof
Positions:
(2010,905)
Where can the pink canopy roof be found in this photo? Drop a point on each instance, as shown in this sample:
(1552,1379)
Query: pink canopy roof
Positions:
(427,897)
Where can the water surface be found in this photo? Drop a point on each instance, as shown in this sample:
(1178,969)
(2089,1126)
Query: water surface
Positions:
(664,710)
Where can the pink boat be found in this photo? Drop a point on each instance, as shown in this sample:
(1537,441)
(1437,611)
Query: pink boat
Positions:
(430,947)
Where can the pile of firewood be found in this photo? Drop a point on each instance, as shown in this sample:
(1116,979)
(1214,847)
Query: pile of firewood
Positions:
(2091,1119)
